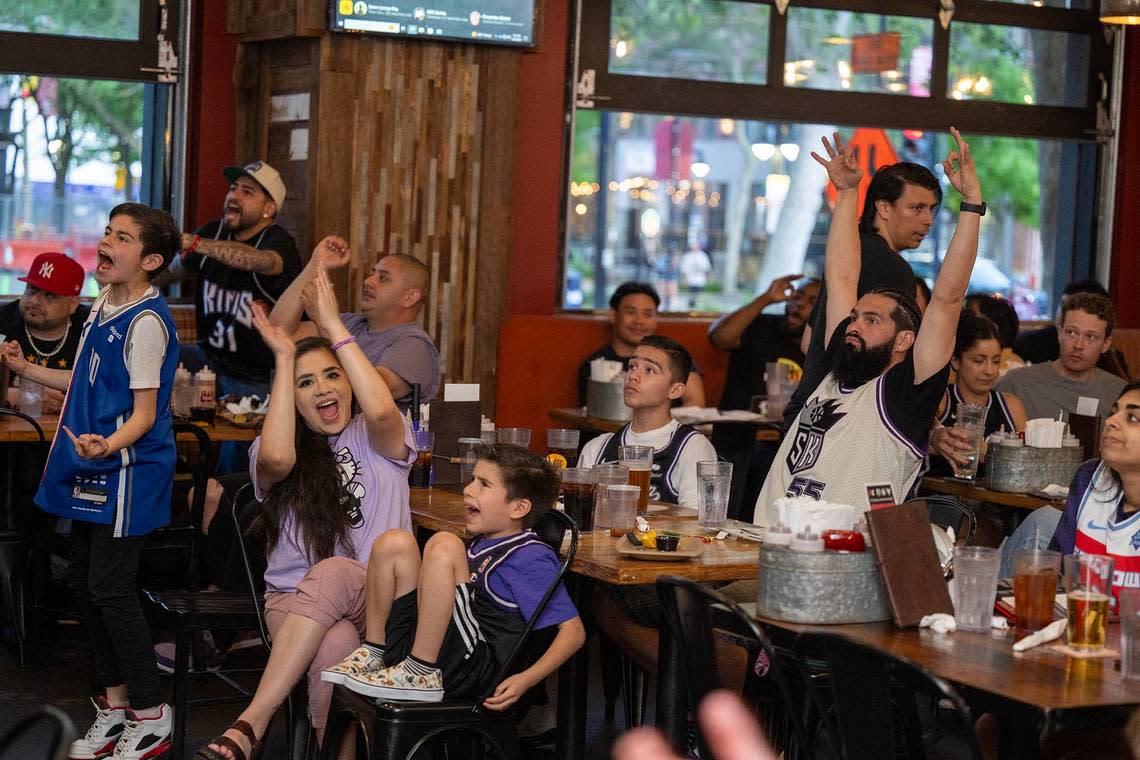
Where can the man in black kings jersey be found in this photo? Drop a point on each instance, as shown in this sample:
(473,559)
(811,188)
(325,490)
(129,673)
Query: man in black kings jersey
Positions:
(243,257)
(887,372)
(899,211)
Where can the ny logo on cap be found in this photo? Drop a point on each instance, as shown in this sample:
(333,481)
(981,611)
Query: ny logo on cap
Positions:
(46,269)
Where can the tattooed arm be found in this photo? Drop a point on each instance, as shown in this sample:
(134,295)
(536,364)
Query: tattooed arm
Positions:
(240,256)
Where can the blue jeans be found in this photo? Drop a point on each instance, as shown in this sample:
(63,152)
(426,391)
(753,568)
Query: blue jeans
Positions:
(233,456)
(1035,532)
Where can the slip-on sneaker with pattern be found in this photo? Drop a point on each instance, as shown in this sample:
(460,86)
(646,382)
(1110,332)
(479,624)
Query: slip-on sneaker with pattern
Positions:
(399,683)
(356,664)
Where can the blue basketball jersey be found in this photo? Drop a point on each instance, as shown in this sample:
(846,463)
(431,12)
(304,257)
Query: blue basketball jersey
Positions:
(131,488)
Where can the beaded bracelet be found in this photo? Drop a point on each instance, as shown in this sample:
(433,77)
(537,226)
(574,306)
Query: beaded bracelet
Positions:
(342,343)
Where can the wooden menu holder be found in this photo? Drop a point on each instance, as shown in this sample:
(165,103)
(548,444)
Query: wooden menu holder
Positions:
(908,561)
(450,421)
(1087,427)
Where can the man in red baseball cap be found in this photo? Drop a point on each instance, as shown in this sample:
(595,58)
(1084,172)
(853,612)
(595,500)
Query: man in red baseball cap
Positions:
(48,319)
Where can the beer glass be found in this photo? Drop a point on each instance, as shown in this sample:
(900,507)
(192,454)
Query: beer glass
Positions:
(562,447)
(420,476)
(639,460)
(608,475)
(971,420)
(1088,589)
(1035,574)
(578,486)
(517,436)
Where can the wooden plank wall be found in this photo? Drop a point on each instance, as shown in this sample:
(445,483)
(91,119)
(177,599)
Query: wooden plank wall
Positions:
(410,150)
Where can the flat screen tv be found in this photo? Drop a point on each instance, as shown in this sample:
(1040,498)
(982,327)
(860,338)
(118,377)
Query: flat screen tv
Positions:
(492,22)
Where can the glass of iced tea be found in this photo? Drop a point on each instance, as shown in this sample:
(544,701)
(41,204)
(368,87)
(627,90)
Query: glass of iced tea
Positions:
(639,460)
(562,447)
(578,486)
(420,476)
(1035,574)
(1088,589)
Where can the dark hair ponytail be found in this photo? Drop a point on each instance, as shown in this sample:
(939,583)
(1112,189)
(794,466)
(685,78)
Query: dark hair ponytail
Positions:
(312,491)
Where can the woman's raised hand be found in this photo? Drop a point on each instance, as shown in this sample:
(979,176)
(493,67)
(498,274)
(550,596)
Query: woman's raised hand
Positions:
(320,301)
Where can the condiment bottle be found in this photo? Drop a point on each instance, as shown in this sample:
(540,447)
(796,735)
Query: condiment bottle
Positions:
(806,541)
(183,392)
(778,535)
(204,388)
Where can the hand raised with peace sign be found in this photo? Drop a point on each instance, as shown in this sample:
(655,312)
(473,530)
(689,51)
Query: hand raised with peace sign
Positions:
(960,170)
(840,163)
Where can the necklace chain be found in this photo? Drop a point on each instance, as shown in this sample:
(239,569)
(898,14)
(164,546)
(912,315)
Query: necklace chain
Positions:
(59,346)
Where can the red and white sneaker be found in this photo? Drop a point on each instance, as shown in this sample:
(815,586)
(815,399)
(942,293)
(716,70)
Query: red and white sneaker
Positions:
(100,739)
(144,738)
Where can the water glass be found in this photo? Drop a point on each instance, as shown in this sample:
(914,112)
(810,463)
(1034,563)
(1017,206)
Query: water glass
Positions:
(1088,595)
(621,508)
(578,487)
(607,475)
(1130,633)
(31,398)
(517,436)
(714,480)
(639,460)
(420,476)
(1035,574)
(975,586)
(562,447)
(971,420)
(467,458)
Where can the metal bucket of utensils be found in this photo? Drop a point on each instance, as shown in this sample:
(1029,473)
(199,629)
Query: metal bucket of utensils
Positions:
(1022,469)
(606,402)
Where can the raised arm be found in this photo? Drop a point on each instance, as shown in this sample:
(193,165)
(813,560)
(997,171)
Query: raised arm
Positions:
(935,341)
(12,355)
(842,260)
(333,253)
(278,452)
(381,415)
(725,332)
(236,254)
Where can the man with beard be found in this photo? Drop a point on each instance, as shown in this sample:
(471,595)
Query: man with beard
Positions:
(755,338)
(243,257)
(47,320)
(867,423)
(902,201)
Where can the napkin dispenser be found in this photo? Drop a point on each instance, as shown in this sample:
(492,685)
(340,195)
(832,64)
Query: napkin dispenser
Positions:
(1022,469)
(606,401)
(828,587)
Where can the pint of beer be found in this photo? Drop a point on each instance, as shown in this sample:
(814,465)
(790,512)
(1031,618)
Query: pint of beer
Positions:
(639,460)
(1088,594)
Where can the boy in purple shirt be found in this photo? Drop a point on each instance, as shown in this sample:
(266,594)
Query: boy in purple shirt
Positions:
(476,599)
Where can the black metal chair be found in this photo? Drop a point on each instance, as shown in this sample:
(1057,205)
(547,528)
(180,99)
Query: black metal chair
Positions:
(867,686)
(47,731)
(693,613)
(947,512)
(198,611)
(392,730)
(16,544)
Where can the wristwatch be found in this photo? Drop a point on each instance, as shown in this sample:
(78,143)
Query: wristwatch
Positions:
(973,208)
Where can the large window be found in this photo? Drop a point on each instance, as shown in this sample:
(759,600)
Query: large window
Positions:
(84,99)
(694,119)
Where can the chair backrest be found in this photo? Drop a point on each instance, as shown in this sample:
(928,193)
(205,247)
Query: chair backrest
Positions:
(948,512)
(551,529)
(54,746)
(254,572)
(693,612)
(30,420)
(862,678)
(200,478)
(11,521)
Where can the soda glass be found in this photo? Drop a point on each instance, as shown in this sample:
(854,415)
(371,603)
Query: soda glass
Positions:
(975,586)
(714,480)
(467,458)
(1088,589)
(562,447)
(970,419)
(1035,574)
(578,486)
(420,476)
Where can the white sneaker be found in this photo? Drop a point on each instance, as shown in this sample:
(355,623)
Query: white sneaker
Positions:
(356,664)
(99,741)
(144,738)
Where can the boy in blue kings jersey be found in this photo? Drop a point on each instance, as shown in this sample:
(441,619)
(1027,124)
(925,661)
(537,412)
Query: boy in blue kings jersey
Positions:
(112,471)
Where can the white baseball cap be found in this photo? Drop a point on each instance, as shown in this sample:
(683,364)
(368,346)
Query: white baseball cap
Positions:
(264,175)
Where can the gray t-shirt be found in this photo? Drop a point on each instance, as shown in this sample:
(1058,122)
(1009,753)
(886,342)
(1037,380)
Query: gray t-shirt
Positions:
(1044,392)
(405,349)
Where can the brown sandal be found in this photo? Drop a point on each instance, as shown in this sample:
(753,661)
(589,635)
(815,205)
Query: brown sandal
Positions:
(224,741)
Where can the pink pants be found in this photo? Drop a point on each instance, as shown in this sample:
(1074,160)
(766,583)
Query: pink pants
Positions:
(332,594)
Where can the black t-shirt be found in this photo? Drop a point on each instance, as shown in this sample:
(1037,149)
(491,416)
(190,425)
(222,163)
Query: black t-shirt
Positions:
(225,294)
(37,351)
(765,340)
(880,267)
(607,352)
(1038,346)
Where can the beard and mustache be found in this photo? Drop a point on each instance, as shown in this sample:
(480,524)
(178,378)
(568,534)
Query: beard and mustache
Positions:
(855,365)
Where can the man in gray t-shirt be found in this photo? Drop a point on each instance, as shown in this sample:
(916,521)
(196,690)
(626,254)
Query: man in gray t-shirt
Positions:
(1084,332)
(386,329)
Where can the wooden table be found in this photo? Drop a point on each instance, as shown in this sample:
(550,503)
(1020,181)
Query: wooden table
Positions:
(576,417)
(597,560)
(966,490)
(1031,691)
(15,430)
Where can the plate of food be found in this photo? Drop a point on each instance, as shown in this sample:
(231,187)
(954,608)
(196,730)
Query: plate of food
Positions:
(659,546)
(243,411)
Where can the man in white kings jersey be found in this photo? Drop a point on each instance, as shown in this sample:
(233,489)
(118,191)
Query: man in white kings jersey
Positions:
(867,422)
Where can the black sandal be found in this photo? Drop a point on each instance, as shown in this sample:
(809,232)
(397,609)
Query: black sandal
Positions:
(224,741)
